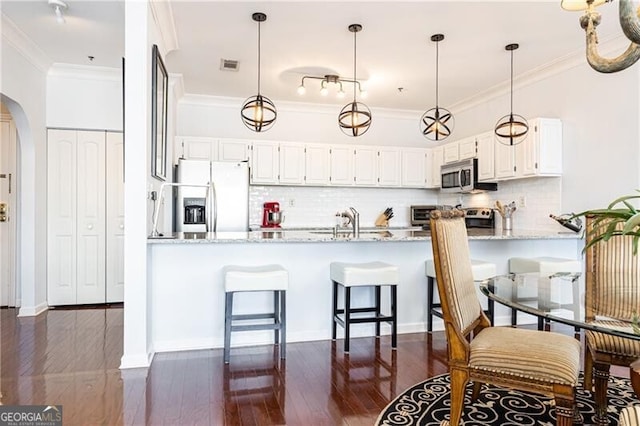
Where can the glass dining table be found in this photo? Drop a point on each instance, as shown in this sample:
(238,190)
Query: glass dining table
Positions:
(547,297)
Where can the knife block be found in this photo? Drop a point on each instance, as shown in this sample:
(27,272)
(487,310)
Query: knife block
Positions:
(382,221)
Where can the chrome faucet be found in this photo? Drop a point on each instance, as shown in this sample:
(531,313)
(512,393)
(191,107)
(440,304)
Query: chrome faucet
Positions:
(210,198)
(354,220)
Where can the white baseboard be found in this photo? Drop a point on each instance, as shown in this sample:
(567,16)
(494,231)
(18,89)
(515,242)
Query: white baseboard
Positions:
(136,361)
(32,311)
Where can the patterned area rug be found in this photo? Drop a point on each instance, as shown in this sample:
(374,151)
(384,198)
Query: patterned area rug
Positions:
(427,404)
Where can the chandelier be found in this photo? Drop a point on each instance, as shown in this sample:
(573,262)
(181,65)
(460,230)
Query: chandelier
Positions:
(437,123)
(512,128)
(331,79)
(258,112)
(629,21)
(354,118)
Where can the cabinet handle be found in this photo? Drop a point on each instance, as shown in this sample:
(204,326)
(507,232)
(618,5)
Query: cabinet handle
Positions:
(90,226)
(121,226)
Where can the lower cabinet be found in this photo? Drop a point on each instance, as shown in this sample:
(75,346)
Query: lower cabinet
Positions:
(85,217)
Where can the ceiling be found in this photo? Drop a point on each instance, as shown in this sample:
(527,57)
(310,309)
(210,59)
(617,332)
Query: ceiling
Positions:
(395,57)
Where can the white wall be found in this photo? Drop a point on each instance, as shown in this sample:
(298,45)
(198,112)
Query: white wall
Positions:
(22,86)
(83,97)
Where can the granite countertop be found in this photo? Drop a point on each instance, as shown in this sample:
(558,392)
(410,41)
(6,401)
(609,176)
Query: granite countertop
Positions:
(324,235)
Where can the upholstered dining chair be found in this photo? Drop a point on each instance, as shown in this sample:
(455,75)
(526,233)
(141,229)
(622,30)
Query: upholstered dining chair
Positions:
(529,360)
(612,297)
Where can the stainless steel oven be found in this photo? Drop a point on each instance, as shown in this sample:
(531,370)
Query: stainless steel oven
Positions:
(420,215)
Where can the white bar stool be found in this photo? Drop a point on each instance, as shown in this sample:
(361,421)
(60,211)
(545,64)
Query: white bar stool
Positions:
(547,266)
(256,278)
(630,416)
(372,274)
(481,271)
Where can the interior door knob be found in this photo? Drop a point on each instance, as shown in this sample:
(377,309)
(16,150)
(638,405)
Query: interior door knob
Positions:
(89,226)
(121,226)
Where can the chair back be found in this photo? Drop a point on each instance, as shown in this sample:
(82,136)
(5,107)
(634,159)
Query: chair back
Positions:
(460,305)
(612,276)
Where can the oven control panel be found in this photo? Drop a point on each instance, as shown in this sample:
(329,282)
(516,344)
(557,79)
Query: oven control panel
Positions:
(479,213)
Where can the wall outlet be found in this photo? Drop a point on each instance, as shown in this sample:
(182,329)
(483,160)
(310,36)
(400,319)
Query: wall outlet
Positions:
(522,201)
(292,202)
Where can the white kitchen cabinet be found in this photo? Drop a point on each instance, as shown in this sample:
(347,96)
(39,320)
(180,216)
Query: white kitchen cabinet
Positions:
(196,148)
(365,166)
(265,163)
(486,156)
(341,165)
(436,162)
(84,206)
(292,164)
(467,148)
(505,160)
(451,152)
(234,150)
(389,167)
(317,164)
(414,167)
(540,154)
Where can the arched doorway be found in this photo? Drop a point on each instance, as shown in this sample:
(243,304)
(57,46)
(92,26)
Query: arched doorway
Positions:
(23,213)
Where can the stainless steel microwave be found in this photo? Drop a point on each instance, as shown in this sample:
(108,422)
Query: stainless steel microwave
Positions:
(463,177)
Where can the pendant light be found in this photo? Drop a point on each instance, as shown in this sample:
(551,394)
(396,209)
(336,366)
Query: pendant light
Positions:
(258,112)
(512,128)
(355,118)
(437,123)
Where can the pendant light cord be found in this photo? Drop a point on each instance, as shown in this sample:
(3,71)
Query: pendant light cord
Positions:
(355,78)
(437,66)
(511,112)
(259,58)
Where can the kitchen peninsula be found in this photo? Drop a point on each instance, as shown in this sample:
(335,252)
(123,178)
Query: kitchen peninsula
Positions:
(187,296)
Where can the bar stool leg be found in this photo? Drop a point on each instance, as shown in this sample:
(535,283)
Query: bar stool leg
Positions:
(334,310)
(576,306)
(394,315)
(347,317)
(276,317)
(377,305)
(283,323)
(228,313)
(429,303)
(514,312)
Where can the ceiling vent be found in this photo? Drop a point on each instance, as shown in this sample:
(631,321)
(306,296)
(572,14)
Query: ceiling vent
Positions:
(229,65)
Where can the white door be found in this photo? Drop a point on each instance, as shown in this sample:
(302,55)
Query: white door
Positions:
(8,214)
(115,219)
(61,217)
(90,223)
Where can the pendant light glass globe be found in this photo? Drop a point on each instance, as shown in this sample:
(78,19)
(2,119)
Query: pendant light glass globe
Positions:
(512,128)
(355,117)
(258,112)
(437,123)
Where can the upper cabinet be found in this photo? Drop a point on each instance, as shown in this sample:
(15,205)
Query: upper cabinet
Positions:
(451,152)
(212,149)
(540,154)
(265,163)
(389,166)
(292,163)
(317,158)
(485,145)
(414,167)
(234,150)
(467,148)
(365,166)
(437,159)
(341,166)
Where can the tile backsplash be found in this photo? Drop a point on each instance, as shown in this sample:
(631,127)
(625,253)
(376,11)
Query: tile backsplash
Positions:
(317,206)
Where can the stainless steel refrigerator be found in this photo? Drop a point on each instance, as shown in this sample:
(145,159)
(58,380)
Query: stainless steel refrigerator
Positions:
(230,200)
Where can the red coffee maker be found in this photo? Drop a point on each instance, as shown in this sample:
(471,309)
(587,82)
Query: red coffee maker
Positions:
(271,215)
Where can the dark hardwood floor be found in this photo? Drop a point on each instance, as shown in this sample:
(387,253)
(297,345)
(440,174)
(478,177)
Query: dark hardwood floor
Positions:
(71,358)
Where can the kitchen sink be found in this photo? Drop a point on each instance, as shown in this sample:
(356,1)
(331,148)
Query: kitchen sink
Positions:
(347,233)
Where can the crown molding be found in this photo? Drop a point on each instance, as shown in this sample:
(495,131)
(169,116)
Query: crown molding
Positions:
(85,72)
(163,17)
(607,48)
(23,44)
